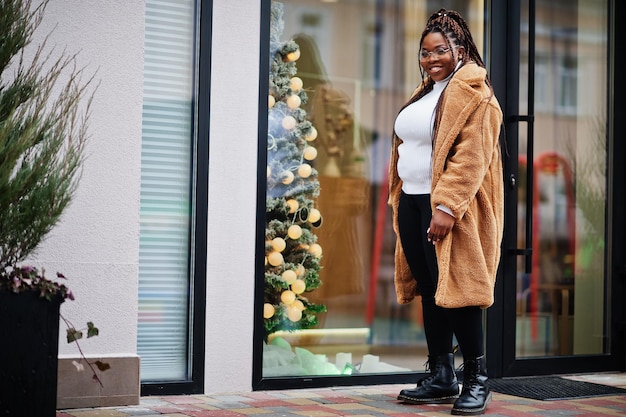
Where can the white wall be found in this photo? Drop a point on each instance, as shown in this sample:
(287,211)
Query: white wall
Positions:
(232,195)
(96,244)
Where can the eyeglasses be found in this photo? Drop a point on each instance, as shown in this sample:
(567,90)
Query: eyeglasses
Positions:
(439,52)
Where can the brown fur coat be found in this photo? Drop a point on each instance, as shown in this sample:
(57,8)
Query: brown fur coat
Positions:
(468,179)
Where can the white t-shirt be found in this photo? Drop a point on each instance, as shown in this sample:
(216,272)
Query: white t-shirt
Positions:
(414,125)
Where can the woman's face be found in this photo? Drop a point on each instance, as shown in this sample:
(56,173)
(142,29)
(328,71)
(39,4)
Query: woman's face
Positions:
(436,58)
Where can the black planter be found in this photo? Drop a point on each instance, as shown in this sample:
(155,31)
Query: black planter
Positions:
(29,346)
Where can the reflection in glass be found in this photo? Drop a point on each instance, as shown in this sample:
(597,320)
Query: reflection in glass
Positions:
(292,253)
(358,64)
(561,297)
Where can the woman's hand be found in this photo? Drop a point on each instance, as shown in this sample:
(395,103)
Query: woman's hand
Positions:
(440,225)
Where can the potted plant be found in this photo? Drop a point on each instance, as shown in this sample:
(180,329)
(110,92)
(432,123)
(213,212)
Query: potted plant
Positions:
(44,108)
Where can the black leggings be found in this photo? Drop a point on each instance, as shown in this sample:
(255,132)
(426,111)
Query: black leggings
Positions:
(440,324)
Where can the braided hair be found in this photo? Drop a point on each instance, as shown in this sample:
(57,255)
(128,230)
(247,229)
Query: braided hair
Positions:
(456,32)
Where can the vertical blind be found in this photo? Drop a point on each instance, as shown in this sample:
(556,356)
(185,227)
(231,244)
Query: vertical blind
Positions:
(164,251)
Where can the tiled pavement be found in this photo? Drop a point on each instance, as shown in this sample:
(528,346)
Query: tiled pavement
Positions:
(359,401)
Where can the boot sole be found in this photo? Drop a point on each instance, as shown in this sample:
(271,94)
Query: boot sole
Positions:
(417,401)
(471,411)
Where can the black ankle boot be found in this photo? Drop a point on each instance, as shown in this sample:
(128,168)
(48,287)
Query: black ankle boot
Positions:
(475,395)
(439,387)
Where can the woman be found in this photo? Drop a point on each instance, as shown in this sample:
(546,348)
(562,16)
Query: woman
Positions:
(447,196)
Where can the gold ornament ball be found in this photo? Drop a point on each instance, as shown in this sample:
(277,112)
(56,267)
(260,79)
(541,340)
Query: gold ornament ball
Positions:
(296,83)
(270,101)
(316,250)
(294,231)
(288,297)
(294,101)
(305,170)
(314,215)
(289,276)
(312,135)
(275,258)
(279,244)
(289,122)
(293,56)
(310,153)
(298,286)
(300,270)
(293,205)
(294,314)
(268,310)
(288,177)
(298,304)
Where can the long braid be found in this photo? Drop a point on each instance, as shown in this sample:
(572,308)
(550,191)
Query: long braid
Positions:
(463,35)
(455,31)
(458,30)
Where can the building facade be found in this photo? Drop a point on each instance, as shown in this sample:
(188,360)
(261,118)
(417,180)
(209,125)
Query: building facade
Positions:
(166,243)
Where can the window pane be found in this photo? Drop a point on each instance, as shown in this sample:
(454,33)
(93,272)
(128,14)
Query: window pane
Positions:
(358,64)
(162,341)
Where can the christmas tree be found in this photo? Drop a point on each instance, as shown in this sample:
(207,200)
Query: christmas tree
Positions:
(292,260)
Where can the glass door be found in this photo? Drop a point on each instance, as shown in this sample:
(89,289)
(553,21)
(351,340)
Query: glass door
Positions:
(560,298)
(557,174)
